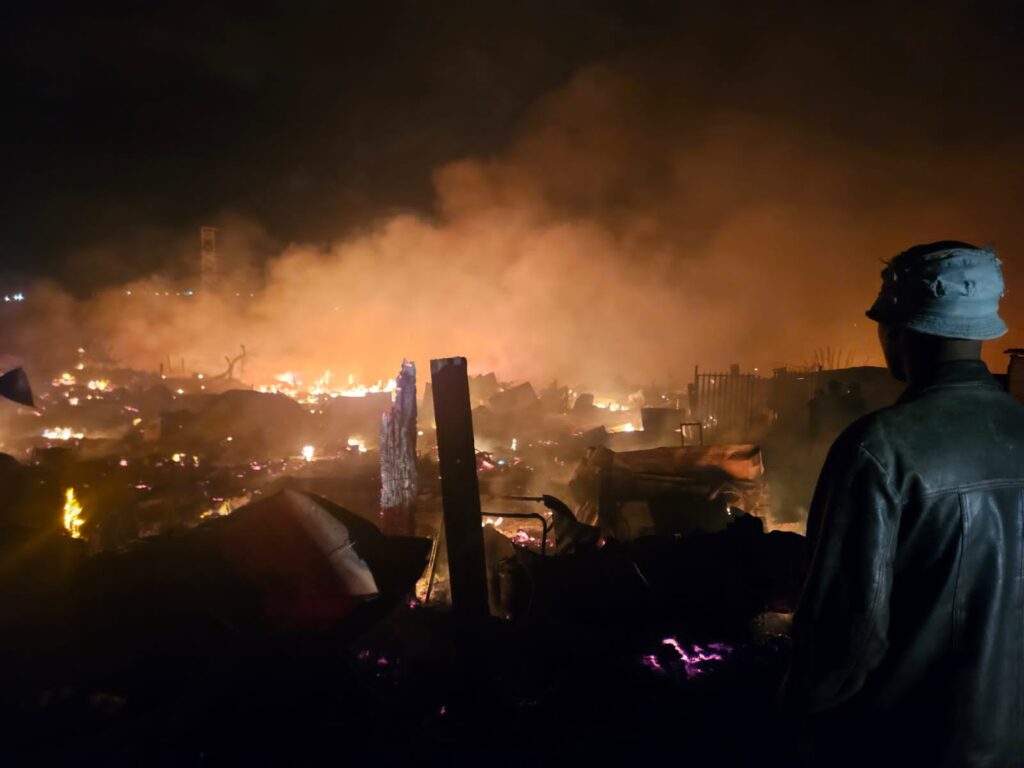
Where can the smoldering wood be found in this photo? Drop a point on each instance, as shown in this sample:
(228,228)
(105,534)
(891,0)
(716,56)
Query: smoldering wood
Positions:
(460,489)
(398,481)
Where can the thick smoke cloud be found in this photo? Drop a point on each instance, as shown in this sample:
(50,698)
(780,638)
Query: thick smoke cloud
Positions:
(629,232)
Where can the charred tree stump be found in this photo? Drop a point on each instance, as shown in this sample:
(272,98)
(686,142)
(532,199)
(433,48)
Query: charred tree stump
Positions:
(398,457)
(460,490)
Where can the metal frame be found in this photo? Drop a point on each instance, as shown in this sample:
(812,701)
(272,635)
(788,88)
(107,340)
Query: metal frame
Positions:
(700,431)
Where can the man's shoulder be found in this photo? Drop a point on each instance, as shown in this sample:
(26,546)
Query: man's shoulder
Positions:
(871,431)
(927,431)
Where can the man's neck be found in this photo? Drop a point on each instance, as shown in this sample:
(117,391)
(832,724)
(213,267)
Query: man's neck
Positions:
(921,373)
(927,354)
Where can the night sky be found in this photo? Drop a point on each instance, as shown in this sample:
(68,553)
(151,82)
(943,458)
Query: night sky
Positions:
(126,125)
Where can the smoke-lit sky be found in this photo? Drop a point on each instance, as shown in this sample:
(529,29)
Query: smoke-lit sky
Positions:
(539,184)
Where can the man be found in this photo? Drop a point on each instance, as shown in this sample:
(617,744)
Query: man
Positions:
(908,644)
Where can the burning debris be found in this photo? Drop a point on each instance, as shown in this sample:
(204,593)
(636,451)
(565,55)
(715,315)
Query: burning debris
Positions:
(73,519)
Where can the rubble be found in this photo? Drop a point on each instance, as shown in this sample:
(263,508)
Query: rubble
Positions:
(228,554)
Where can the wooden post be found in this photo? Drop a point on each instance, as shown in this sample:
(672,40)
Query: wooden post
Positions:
(460,490)
(398,482)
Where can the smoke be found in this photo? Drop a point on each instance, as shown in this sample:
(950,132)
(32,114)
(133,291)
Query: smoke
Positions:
(630,232)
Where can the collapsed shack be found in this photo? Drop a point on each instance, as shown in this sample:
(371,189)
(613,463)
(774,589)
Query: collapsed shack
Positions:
(659,534)
(669,490)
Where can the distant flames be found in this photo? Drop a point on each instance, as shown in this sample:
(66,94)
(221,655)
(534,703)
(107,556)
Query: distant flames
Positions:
(290,383)
(62,433)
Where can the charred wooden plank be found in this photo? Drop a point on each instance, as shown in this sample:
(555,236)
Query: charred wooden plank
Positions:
(460,489)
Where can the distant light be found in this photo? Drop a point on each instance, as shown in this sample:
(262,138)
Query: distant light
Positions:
(307,452)
(128,292)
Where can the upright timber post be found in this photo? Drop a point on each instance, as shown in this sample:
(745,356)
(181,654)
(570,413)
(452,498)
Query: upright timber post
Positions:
(398,480)
(460,490)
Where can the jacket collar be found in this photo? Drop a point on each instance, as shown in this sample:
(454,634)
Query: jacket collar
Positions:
(952,373)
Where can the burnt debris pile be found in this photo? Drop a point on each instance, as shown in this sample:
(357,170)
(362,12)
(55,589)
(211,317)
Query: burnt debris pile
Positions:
(199,570)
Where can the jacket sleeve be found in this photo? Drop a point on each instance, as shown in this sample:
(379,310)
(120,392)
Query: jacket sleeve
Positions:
(842,620)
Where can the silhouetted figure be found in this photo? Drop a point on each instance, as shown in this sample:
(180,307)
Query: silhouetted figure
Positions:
(908,647)
(853,404)
(832,409)
(815,407)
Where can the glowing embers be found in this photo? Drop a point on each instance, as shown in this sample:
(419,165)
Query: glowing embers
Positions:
(691,660)
(62,433)
(223,507)
(73,519)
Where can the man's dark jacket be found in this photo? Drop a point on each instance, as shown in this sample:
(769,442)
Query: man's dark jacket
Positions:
(908,644)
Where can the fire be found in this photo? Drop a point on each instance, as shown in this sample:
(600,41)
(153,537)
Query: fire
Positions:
(99,385)
(308,452)
(290,383)
(358,443)
(65,380)
(362,390)
(73,519)
(224,507)
(62,433)
(627,427)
